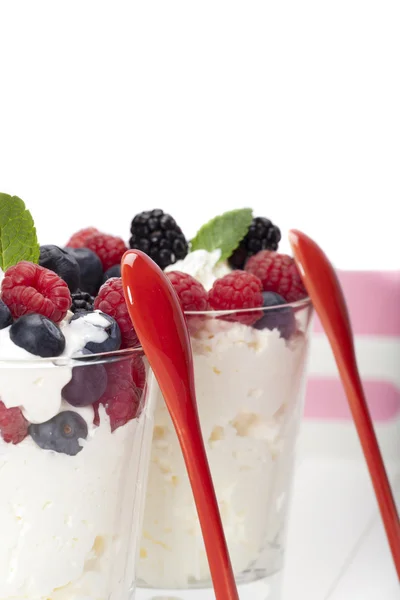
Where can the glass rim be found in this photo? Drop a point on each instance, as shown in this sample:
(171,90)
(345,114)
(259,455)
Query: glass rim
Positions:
(77,360)
(303,303)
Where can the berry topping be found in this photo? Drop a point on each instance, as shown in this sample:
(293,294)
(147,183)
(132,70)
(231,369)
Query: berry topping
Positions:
(13,425)
(88,383)
(236,290)
(157,234)
(5,315)
(103,328)
(262,235)
(114,271)
(78,240)
(191,292)
(62,263)
(109,248)
(111,300)
(30,288)
(61,434)
(282,319)
(82,302)
(122,398)
(90,268)
(38,335)
(278,273)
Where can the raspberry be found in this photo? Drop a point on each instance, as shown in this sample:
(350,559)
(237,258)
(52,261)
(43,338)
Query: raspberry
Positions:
(111,301)
(278,273)
(78,240)
(122,398)
(29,288)
(13,425)
(237,290)
(191,293)
(109,249)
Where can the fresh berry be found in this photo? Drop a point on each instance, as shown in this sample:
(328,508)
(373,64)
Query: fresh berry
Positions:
(13,425)
(30,288)
(111,301)
(88,383)
(109,248)
(90,269)
(237,290)
(191,292)
(61,262)
(278,273)
(82,302)
(122,398)
(104,329)
(262,235)
(114,271)
(158,235)
(282,319)
(61,434)
(79,238)
(38,335)
(5,315)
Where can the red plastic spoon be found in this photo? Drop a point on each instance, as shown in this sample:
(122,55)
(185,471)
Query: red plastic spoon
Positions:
(326,294)
(161,328)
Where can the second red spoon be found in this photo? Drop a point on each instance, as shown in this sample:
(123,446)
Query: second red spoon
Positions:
(161,328)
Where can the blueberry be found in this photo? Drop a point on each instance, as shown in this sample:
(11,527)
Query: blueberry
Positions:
(62,263)
(61,434)
(114,271)
(106,323)
(5,315)
(90,267)
(38,335)
(282,319)
(87,385)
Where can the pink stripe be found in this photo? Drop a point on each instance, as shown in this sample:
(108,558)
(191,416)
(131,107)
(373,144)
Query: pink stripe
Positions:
(326,400)
(373,298)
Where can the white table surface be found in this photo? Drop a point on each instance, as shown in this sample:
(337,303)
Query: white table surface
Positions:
(337,549)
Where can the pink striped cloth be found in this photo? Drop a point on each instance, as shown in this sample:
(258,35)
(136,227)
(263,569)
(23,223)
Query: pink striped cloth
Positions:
(374,304)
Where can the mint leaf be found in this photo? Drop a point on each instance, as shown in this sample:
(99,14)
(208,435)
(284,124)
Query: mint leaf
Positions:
(18,240)
(224,232)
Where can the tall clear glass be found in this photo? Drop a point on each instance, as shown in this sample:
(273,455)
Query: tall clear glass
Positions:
(250,377)
(72,476)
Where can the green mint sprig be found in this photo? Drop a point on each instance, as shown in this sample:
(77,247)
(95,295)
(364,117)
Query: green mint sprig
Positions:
(224,232)
(18,239)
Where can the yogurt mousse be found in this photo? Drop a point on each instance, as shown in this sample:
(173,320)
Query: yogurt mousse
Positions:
(67,515)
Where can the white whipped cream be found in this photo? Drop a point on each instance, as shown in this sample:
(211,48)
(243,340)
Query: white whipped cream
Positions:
(68,523)
(203,266)
(39,379)
(249,389)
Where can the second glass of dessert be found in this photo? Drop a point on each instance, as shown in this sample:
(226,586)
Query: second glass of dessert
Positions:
(249,330)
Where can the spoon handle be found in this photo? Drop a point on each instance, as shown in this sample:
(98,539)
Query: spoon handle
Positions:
(325,291)
(161,328)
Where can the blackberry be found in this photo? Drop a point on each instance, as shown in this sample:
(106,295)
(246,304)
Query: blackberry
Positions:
(262,235)
(82,302)
(158,235)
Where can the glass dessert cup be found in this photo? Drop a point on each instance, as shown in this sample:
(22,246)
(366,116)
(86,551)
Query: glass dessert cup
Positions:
(250,368)
(72,490)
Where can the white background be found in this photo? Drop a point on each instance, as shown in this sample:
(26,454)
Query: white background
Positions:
(292,108)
